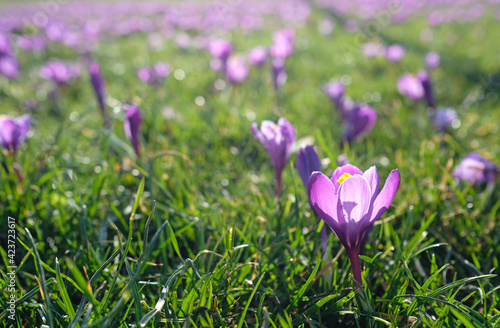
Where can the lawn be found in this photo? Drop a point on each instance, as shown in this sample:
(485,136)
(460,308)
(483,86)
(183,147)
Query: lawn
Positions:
(188,228)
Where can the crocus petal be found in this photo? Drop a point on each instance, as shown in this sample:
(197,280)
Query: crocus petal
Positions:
(371,175)
(257,134)
(386,196)
(307,162)
(339,171)
(353,206)
(323,199)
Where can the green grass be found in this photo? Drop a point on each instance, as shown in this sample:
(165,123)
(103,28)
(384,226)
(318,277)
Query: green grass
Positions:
(201,240)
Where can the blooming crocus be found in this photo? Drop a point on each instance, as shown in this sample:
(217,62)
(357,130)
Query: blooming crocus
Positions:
(98,84)
(395,52)
(154,75)
(132,126)
(283,43)
(361,120)
(476,170)
(350,203)
(278,140)
(335,91)
(307,163)
(425,79)
(444,118)
(9,67)
(13,131)
(432,60)
(410,86)
(279,74)
(60,72)
(257,56)
(220,51)
(236,69)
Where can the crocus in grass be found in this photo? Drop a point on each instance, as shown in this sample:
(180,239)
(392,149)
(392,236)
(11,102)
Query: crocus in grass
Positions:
(350,203)
(13,131)
(444,118)
(220,50)
(132,126)
(9,67)
(476,170)
(278,140)
(60,72)
(308,162)
(236,69)
(432,60)
(257,56)
(279,74)
(361,120)
(425,79)
(410,86)
(335,91)
(283,43)
(98,84)
(395,52)
(154,75)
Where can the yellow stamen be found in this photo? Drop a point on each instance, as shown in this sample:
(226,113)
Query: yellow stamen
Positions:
(343,177)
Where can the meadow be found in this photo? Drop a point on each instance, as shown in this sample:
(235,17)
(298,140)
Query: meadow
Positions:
(136,189)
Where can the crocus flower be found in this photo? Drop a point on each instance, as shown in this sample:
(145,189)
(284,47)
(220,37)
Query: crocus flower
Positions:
(307,163)
(257,56)
(154,75)
(220,51)
(410,86)
(13,131)
(372,50)
(350,203)
(279,74)
(132,126)
(444,118)
(278,140)
(9,67)
(432,60)
(425,79)
(283,43)
(60,72)
(476,170)
(395,52)
(335,91)
(99,89)
(361,120)
(236,69)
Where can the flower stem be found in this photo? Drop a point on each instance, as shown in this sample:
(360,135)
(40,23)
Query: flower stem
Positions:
(356,267)
(278,179)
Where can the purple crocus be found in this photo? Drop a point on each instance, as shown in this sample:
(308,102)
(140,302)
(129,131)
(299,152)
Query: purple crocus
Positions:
(432,60)
(257,56)
(444,118)
(278,140)
(132,126)
(279,74)
(9,67)
(99,89)
(335,91)
(425,79)
(283,43)
(13,131)
(60,72)
(476,170)
(154,75)
(350,203)
(220,50)
(307,163)
(410,86)
(236,69)
(395,52)
(361,120)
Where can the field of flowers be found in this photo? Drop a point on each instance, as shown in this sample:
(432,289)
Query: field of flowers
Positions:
(250,163)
